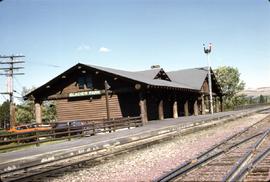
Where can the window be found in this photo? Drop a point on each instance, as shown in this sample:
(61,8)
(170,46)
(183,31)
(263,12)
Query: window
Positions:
(81,82)
(85,80)
(89,82)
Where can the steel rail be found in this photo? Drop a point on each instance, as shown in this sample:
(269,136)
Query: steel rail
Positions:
(57,166)
(203,158)
(243,162)
(190,164)
(243,172)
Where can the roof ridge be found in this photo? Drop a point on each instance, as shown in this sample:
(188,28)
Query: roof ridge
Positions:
(188,69)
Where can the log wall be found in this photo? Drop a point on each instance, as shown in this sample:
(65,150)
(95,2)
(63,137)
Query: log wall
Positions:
(86,109)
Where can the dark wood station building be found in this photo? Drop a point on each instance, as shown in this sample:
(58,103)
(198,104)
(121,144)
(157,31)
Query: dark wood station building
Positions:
(89,92)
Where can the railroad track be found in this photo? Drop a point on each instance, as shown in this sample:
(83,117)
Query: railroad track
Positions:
(230,160)
(38,172)
(258,169)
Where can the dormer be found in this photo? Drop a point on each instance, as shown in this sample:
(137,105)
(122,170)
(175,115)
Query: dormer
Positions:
(162,75)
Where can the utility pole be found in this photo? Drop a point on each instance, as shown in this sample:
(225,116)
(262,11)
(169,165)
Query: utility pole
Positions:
(207,51)
(10,62)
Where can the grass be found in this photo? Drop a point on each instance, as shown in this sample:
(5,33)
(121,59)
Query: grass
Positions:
(14,146)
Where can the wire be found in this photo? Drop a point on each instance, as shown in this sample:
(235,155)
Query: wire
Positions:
(17,81)
(4,97)
(44,64)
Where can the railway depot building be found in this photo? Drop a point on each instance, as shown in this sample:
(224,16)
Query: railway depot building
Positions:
(88,92)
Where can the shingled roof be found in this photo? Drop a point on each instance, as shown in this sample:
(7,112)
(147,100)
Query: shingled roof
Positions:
(194,77)
(188,79)
(146,77)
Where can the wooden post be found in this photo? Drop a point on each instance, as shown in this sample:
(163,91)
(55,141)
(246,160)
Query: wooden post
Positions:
(38,112)
(217,104)
(160,110)
(207,103)
(186,108)
(203,105)
(175,110)
(196,109)
(37,138)
(69,134)
(221,104)
(143,109)
(106,86)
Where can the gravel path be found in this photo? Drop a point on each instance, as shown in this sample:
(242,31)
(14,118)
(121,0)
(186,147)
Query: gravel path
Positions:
(149,163)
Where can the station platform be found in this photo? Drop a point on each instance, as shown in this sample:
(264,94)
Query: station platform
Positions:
(64,149)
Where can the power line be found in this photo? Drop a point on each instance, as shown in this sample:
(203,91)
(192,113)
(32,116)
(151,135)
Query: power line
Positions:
(18,81)
(10,65)
(3,97)
(44,64)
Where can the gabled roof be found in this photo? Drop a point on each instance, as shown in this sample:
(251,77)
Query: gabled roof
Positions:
(188,79)
(192,77)
(142,76)
(157,73)
(149,73)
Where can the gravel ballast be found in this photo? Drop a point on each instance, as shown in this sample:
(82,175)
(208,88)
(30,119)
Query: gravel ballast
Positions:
(151,162)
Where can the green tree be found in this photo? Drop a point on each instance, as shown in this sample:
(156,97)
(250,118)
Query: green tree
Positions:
(48,111)
(25,112)
(231,85)
(4,115)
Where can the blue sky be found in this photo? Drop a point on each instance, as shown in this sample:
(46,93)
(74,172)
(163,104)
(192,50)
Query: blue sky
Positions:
(135,34)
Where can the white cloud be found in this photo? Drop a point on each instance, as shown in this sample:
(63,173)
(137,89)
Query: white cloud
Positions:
(104,50)
(83,47)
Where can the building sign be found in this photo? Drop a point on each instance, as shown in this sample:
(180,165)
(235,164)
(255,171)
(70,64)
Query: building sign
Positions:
(86,93)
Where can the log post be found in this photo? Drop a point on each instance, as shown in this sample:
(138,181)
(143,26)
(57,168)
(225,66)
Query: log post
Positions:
(196,109)
(143,109)
(207,105)
(186,108)
(203,105)
(106,86)
(160,110)
(38,112)
(175,110)
(221,104)
(217,104)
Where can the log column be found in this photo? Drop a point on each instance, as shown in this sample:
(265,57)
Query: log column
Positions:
(196,109)
(38,112)
(217,104)
(186,108)
(221,104)
(203,105)
(207,103)
(143,109)
(160,110)
(175,110)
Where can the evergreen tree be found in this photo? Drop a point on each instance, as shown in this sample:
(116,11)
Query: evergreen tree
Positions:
(4,115)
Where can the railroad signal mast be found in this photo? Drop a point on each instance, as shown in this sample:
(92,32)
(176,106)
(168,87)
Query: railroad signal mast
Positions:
(11,63)
(207,51)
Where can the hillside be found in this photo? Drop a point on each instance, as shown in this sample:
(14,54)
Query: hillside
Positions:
(265,91)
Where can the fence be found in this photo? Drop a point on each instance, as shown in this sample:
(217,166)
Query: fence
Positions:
(67,131)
